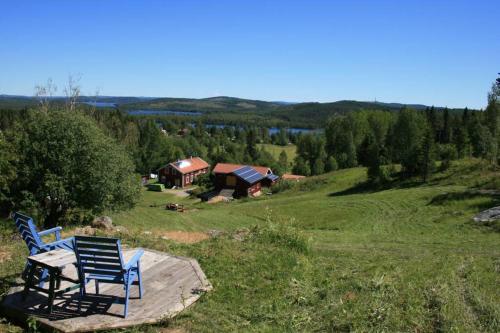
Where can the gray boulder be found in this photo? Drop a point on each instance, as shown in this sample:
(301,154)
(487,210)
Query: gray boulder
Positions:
(488,215)
(103,223)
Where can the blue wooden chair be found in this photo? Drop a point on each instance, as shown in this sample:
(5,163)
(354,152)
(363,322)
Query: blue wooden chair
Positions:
(100,259)
(33,239)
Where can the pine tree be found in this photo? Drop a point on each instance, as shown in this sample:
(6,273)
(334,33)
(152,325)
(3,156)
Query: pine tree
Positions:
(318,167)
(446,126)
(301,167)
(425,157)
(283,160)
(373,162)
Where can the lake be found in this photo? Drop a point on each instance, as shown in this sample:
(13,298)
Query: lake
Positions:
(101,104)
(162,112)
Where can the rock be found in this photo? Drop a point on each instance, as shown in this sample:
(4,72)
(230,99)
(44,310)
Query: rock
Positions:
(241,234)
(488,215)
(85,231)
(103,222)
(121,229)
(215,233)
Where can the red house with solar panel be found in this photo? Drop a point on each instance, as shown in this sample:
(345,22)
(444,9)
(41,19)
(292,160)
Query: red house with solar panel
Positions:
(245,180)
(182,173)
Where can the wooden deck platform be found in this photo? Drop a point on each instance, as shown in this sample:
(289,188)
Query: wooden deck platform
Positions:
(170,285)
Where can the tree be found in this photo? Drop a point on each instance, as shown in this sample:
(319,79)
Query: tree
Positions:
(301,167)
(446,133)
(282,137)
(252,144)
(405,139)
(318,167)
(331,164)
(68,166)
(7,172)
(283,160)
(425,157)
(373,162)
(350,151)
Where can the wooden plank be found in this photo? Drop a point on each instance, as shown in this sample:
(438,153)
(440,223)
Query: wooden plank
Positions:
(170,285)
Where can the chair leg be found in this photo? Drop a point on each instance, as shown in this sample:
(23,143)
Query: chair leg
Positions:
(127,289)
(96,287)
(139,278)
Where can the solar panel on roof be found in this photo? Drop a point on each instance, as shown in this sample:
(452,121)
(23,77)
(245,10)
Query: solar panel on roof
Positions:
(248,174)
(272,177)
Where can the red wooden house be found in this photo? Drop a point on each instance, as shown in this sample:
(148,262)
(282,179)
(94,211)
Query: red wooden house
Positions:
(182,173)
(246,180)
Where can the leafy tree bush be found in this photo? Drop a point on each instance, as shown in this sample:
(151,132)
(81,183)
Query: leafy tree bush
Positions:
(331,164)
(7,172)
(67,166)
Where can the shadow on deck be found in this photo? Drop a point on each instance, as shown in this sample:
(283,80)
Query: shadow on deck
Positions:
(170,285)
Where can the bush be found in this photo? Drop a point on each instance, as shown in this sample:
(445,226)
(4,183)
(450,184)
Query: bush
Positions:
(447,153)
(282,185)
(68,167)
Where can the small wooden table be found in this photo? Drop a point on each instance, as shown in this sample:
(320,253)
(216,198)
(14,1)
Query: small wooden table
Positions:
(54,261)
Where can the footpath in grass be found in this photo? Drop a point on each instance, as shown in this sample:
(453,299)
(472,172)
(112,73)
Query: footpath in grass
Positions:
(331,255)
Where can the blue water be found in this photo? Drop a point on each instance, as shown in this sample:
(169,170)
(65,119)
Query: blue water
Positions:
(162,112)
(101,104)
(272,130)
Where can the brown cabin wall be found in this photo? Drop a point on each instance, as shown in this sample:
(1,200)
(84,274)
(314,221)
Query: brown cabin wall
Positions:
(169,175)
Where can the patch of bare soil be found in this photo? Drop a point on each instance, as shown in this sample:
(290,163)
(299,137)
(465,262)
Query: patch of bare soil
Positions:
(185,236)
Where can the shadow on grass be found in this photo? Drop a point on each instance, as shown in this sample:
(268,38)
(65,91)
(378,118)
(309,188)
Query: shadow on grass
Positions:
(369,187)
(444,198)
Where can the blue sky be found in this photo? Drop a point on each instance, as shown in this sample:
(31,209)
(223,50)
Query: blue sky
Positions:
(444,53)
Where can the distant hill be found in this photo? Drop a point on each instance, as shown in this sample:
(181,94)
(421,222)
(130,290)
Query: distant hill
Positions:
(223,107)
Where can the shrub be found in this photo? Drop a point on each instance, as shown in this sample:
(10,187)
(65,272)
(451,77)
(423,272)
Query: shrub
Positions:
(68,166)
(282,185)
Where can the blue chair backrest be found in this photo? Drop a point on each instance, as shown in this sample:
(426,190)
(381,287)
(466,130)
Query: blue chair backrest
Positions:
(28,232)
(99,255)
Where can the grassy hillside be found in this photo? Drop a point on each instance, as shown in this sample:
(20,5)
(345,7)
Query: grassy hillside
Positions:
(331,255)
(275,150)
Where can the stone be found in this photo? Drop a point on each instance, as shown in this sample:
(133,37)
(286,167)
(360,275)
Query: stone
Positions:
(85,231)
(488,215)
(215,233)
(103,222)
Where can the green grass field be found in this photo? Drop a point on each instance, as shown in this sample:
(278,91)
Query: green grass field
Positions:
(334,258)
(275,150)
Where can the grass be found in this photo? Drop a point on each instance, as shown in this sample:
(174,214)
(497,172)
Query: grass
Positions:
(275,150)
(340,257)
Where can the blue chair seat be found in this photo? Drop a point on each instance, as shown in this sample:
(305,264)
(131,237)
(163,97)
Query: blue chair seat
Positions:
(100,259)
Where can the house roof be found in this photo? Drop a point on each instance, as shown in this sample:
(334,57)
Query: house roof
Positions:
(272,177)
(188,165)
(226,168)
(289,176)
(248,174)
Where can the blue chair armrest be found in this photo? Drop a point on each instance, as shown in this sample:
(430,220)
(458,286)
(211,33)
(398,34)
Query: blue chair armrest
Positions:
(66,243)
(137,256)
(56,231)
